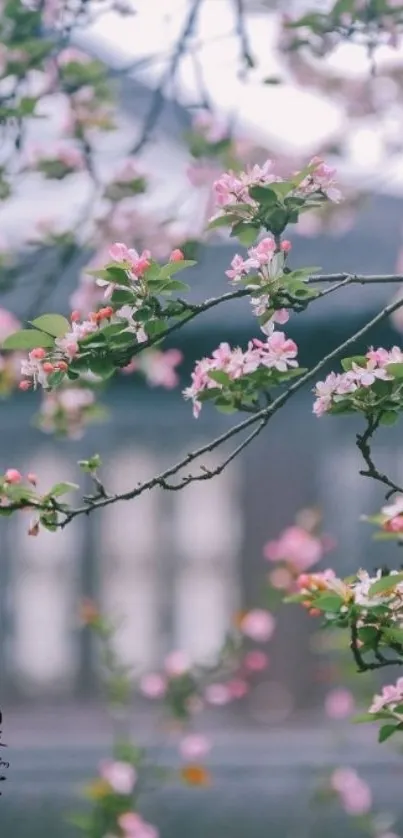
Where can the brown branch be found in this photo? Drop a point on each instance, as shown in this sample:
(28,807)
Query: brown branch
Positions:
(157,102)
(363,444)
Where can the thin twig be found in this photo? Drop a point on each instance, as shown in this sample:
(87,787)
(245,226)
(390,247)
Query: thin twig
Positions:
(158,99)
(371,471)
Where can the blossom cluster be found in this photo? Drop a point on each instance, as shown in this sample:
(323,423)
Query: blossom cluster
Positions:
(354,793)
(266,263)
(232,188)
(159,368)
(68,410)
(186,690)
(228,366)
(296,550)
(354,389)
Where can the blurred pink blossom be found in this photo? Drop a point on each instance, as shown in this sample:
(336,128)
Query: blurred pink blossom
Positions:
(238,688)
(121,776)
(153,685)
(339,704)
(176,664)
(134,826)
(217,694)
(8,324)
(258,625)
(194,746)
(355,794)
(256,661)
(295,546)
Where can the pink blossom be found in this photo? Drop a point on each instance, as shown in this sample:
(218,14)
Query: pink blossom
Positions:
(296,546)
(176,255)
(342,778)
(70,55)
(391,695)
(357,800)
(8,324)
(339,704)
(214,130)
(280,352)
(134,826)
(258,625)
(217,694)
(365,376)
(264,251)
(395,508)
(277,352)
(176,664)
(256,661)
(239,269)
(281,578)
(153,685)
(238,688)
(121,776)
(194,747)
(159,367)
(12,475)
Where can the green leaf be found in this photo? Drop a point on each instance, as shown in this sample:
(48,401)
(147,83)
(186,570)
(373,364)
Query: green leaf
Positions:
(368,634)
(385,583)
(174,285)
(246,233)
(222,221)
(55,378)
(114,329)
(92,464)
(343,6)
(264,195)
(101,366)
(394,635)
(54,324)
(395,369)
(220,377)
(328,602)
(363,717)
(28,339)
(281,189)
(389,417)
(225,407)
(386,732)
(62,489)
(120,297)
(174,267)
(347,363)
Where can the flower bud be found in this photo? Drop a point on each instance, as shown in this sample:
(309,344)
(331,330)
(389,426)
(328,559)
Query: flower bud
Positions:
(75,316)
(38,353)
(177,255)
(12,475)
(32,478)
(48,367)
(25,385)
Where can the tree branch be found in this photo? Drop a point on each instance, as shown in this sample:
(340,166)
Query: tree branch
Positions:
(363,444)
(157,102)
(261,416)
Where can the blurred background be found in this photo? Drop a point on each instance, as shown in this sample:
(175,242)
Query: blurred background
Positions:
(175,567)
